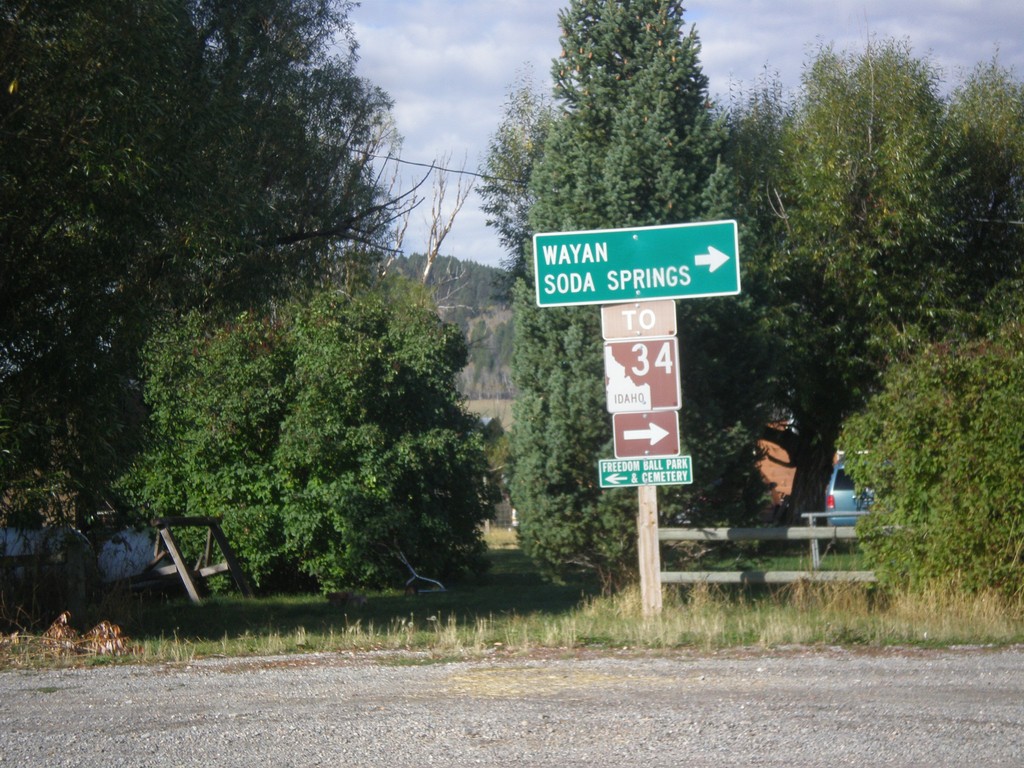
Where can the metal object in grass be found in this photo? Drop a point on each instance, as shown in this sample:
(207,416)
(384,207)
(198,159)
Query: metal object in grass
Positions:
(411,587)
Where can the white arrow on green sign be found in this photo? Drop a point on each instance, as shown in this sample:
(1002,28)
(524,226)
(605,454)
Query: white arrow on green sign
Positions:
(630,473)
(605,266)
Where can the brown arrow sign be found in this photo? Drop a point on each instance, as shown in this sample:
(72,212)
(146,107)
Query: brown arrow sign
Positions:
(646,434)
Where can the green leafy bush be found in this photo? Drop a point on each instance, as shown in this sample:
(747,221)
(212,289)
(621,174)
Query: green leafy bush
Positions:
(943,448)
(328,441)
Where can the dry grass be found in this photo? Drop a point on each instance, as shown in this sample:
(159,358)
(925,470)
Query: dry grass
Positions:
(496,409)
(501,538)
(708,617)
(61,644)
(471,622)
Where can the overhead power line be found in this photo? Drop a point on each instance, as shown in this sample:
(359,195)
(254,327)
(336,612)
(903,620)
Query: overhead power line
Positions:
(436,167)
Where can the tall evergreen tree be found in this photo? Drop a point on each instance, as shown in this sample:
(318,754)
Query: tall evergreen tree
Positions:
(636,143)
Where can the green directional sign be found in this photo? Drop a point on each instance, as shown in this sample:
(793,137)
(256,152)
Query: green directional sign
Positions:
(629,473)
(604,266)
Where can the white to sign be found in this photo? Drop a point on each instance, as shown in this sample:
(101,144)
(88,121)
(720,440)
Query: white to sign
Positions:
(646,434)
(638,319)
(630,473)
(642,375)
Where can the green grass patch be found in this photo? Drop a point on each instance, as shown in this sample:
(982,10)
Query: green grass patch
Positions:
(506,607)
(513,610)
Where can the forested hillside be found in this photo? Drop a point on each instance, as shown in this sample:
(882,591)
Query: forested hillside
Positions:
(473,296)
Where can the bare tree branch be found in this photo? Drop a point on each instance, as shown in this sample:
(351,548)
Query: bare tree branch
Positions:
(441,222)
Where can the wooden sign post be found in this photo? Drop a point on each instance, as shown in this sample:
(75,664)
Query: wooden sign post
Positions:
(637,274)
(647,546)
(643,392)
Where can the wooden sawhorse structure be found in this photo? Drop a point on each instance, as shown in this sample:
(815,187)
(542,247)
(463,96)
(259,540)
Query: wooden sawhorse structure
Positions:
(166,546)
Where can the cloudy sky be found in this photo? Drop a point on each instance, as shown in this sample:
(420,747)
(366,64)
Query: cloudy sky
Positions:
(449,64)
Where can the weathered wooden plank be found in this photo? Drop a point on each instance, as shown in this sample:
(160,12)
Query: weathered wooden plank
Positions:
(44,558)
(160,522)
(172,570)
(232,562)
(183,570)
(163,570)
(763,577)
(212,570)
(790,533)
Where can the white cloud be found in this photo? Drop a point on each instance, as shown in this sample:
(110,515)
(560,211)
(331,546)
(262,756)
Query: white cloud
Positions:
(448,64)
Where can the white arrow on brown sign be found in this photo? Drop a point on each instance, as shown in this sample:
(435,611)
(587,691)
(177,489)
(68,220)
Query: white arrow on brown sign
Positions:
(646,434)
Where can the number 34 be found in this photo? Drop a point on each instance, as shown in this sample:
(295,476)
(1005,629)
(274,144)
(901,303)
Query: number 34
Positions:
(662,360)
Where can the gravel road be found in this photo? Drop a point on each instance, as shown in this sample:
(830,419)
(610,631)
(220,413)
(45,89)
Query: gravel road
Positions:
(795,707)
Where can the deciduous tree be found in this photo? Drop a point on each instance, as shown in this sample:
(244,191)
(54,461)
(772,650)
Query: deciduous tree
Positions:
(941,448)
(515,148)
(881,216)
(157,156)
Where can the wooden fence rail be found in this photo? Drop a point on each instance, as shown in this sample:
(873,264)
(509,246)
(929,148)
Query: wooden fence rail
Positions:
(812,534)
